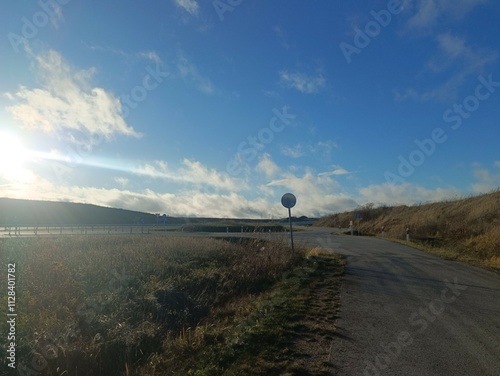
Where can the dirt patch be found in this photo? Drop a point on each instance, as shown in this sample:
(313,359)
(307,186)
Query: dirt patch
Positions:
(316,326)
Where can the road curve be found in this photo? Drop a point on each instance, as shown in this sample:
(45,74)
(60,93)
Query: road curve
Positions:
(405,312)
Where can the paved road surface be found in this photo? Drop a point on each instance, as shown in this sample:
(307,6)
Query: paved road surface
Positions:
(405,312)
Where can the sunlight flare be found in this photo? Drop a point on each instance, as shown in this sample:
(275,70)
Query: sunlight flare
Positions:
(13,156)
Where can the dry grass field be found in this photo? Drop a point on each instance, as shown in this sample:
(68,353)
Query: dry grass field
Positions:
(132,304)
(467,229)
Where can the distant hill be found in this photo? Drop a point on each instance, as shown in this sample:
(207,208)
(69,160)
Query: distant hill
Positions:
(49,213)
(55,213)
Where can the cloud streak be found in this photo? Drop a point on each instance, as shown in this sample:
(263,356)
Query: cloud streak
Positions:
(302,82)
(454,55)
(190,6)
(486,180)
(318,194)
(189,72)
(427,13)
(192,173)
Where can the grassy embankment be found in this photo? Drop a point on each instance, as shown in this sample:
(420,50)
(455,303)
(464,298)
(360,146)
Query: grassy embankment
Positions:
(466,230)
(146,305)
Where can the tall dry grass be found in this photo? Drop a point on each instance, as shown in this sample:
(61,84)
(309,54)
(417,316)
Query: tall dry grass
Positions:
(469,226)
(100,304)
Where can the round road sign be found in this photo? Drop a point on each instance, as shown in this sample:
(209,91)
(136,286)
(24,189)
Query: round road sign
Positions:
(288,200)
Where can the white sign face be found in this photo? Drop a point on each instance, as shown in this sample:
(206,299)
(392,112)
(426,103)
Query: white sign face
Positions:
(288,200)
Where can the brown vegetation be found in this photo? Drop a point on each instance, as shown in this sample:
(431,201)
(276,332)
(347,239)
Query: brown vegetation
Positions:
(467,229)
(111,305)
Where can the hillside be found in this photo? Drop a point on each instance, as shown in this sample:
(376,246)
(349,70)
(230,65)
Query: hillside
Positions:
(467,229)
(48,213)
(53,213)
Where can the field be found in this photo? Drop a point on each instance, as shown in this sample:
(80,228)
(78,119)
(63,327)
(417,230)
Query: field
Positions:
(466,229)
(137,304)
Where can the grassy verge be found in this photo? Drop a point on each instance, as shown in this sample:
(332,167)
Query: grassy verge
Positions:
(466,229)
(457,251)
(146,304)
(285,331)
(233,227)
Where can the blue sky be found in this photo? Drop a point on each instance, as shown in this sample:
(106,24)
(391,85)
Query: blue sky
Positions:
(218,108)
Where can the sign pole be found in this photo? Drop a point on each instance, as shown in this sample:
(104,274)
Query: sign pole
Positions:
(291,229)
(288,201)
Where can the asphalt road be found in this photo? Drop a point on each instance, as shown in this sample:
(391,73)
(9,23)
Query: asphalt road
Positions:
(405,312)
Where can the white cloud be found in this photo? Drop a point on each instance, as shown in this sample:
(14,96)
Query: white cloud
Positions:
(314,192)
(486,180)
(302,82)
(428,13)
(189,71)
(454,55)
(325,148)
(197,173)
(151,55)
(192,173)
(225,199)
(406,193)
(322,149)
(282,37)
(190,6)
(409,93)
(292,151)
(67,105)
(271,94)
(267,166)
(121,181)
(148,55)
(453,49)
(182,203)
(317,194)
(336,171)
(468,61)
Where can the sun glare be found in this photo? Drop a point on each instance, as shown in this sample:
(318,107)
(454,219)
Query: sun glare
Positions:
(12,157)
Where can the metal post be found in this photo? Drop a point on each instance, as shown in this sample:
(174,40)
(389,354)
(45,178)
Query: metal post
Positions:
(288,201)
